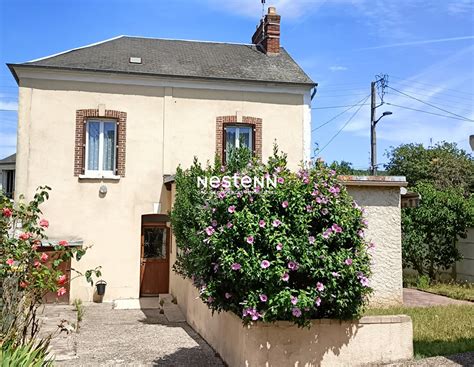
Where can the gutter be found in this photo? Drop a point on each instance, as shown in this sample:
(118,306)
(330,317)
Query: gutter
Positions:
(47,67)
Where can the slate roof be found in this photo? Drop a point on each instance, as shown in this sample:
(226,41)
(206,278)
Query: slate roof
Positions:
(11,159)
(189,59)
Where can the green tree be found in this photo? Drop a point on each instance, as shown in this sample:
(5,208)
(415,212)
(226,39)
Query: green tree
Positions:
(430,231)
(444,165)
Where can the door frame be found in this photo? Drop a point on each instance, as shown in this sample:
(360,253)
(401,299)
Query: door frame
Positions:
(154,221)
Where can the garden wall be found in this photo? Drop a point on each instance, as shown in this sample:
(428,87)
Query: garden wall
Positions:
(372,339)
(380,196)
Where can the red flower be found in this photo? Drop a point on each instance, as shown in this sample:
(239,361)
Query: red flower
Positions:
(62,279)
(36,264)
(10,262)
(61,291)
(63,243)
(44,223)
(23,284)
(44,257)
(24,236)
(6,212)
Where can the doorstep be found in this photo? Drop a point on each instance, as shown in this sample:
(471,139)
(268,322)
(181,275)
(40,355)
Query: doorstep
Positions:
(170,309)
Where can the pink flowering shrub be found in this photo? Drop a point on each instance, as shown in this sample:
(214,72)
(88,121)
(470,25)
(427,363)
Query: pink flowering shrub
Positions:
(27,274)
(295,252)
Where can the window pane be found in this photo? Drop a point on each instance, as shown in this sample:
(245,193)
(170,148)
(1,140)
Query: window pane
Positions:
(154,245)
(245,137)
(93,146)
(230,141)
(109,146)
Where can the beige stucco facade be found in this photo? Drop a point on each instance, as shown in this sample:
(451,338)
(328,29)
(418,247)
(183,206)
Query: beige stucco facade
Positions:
(168,123)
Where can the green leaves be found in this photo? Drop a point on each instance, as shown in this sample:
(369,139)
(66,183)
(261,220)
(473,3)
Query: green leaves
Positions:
(28,270)
(305,227)
(430,231)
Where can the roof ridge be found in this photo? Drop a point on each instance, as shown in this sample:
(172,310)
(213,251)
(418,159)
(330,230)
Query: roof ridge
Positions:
(188,40)
(75,49)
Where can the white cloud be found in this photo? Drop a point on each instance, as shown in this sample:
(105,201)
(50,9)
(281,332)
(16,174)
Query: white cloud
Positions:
(8,106)
(8,145)
(461,7)
(421,42)
(338,68)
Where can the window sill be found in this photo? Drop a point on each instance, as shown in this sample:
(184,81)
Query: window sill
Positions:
(99,177)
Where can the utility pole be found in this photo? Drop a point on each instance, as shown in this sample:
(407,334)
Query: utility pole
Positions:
(373,136)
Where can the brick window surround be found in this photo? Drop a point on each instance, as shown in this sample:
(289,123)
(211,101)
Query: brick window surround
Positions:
(254,122)
(80,140)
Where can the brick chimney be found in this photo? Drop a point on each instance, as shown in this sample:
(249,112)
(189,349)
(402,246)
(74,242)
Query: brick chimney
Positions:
(267,35)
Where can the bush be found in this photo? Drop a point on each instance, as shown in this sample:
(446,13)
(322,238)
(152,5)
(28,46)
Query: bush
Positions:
(27,274)
(430,231)
(291,252)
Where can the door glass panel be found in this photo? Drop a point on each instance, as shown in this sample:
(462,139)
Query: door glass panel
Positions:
(154,245)
(109,146)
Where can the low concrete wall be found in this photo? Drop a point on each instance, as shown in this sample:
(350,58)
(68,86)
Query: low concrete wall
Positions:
(374,339)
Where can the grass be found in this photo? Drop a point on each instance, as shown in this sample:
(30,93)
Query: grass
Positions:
(79,308)
(439,330)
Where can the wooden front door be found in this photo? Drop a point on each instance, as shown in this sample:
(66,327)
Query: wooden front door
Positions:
(154,265)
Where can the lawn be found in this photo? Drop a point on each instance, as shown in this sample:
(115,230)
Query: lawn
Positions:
(439,330)
(463,291)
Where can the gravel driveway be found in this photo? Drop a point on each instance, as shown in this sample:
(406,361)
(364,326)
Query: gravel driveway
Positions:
(138,338)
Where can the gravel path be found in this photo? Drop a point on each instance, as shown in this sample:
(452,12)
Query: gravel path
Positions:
(416,298)
(138,338)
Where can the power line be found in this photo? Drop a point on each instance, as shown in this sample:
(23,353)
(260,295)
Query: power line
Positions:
(407,81)
(428,112)
(339,95)
(430,104)
(438,95)
(343,126)
(342,106)
(339,114)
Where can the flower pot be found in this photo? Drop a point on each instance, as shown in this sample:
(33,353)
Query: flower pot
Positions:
(100,285)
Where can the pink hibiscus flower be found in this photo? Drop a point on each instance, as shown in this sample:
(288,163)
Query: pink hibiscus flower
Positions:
(10,262)
(285,204)
(250,240)
(320,286)
(44,257)
(263,298)
(236,266)
(265,264)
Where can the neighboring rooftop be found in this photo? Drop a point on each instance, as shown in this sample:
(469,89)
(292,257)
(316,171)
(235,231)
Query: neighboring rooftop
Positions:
(176,58)
(11,159)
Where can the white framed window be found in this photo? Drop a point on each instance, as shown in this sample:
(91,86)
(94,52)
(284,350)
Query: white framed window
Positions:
(101,142)
(237,136)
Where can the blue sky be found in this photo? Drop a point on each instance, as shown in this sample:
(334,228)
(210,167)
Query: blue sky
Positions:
(425,46)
